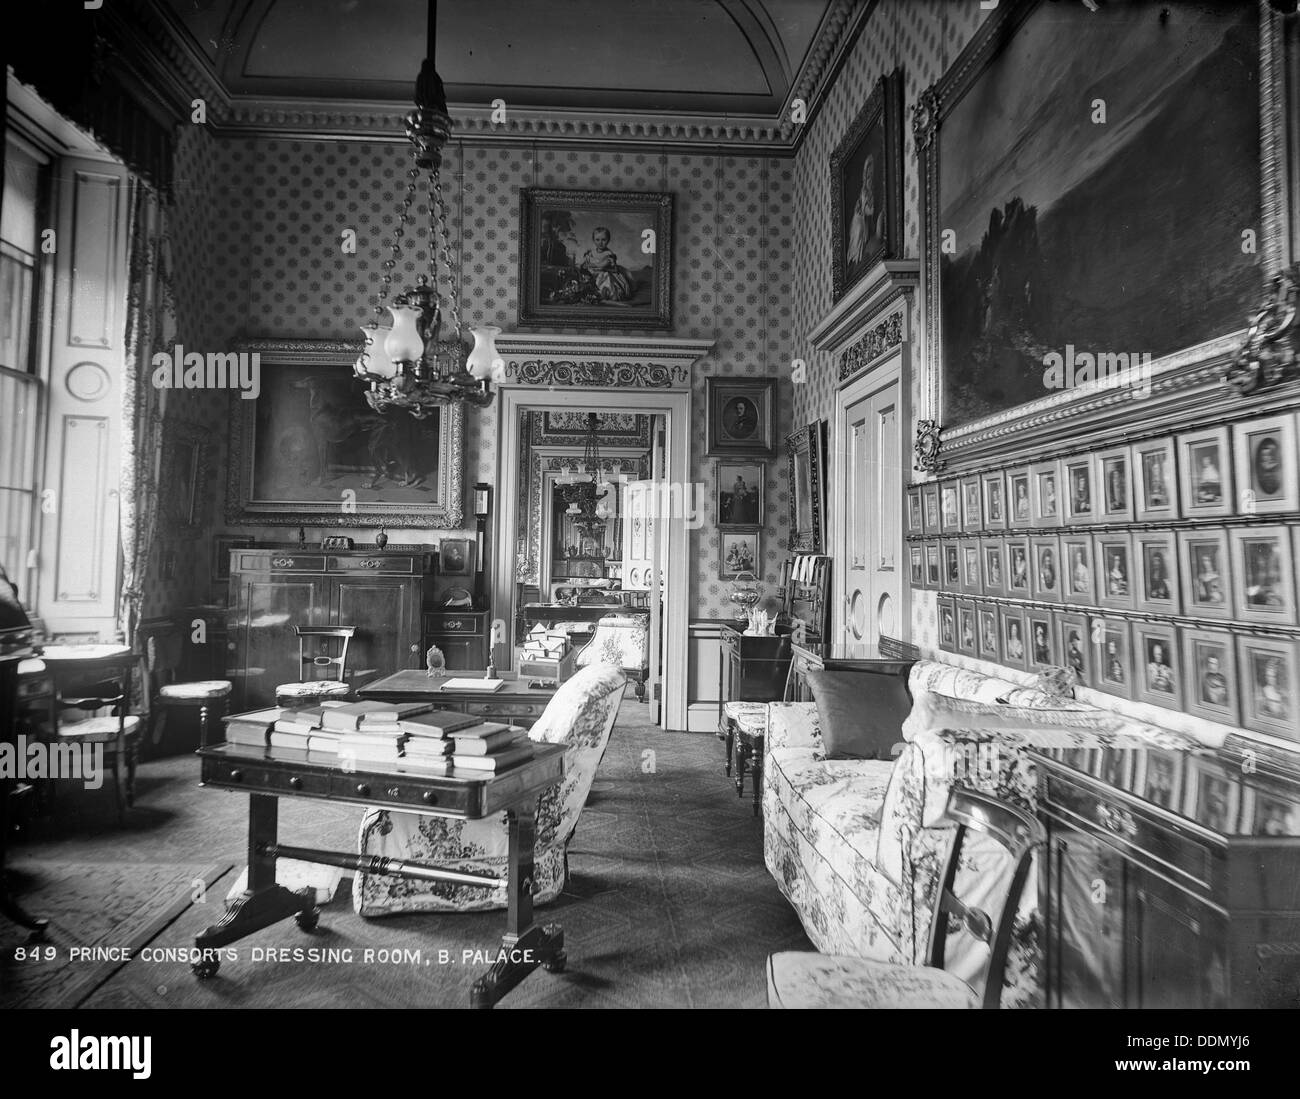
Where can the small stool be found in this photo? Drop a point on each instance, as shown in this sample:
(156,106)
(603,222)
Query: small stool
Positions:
(743,725)
(207,695)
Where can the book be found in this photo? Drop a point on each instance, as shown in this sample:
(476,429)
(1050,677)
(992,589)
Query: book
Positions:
(293,725)
(348,716)
(436,723)
(425,765)
(479,730)
(484,745)
(484,685)
(393,712)
(426,746)
(289,740)
(328,744)
(254,736)
(494,763)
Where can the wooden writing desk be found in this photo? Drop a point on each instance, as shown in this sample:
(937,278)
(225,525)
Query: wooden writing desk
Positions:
(272,773)
(515,703)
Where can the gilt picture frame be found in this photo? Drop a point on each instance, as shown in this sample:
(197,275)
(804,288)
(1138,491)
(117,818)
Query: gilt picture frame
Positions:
(807,448)
(741,417)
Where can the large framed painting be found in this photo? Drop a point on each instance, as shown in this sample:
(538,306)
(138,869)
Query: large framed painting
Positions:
(310,451)
(867,187)
(1067,237)
(807,448)
(596,257)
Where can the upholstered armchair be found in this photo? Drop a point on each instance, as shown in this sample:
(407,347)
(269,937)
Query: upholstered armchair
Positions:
(579,716)
(622,640)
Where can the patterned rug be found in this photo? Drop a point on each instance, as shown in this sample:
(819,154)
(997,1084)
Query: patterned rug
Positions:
(668,902)
(100,914)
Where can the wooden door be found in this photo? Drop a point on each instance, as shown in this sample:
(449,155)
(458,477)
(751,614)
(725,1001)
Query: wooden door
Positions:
(262,644)
(870,500)
(386,614)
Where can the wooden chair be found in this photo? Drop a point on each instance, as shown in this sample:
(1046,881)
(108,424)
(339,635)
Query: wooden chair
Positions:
(311,689)
(160,641)
(105,685)
(811,980)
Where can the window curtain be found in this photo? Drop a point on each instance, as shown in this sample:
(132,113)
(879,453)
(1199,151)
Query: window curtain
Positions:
(150,327)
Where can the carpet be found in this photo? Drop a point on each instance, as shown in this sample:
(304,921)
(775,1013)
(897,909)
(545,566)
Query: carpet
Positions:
(668,902)
(100,914)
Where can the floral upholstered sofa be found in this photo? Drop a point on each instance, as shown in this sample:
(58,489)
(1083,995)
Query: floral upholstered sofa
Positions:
(856,845)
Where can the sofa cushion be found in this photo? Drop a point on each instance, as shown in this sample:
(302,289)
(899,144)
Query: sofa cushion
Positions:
(860,712)
(793,725)
(806,980)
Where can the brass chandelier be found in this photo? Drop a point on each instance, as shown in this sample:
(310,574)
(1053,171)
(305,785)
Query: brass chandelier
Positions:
(588,496)
(407,365)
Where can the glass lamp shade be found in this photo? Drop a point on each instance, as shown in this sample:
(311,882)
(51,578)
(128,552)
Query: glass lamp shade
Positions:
(373,359)
(483,355)
(403,343)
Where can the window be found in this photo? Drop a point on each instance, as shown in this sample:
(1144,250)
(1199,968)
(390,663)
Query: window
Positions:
(20,391)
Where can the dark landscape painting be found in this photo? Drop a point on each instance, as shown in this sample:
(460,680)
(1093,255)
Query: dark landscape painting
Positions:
(1121,235)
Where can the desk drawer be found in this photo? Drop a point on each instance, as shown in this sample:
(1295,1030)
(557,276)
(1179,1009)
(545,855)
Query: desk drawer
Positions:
(266,779)
(280,562)
(397,790)
(402,565)
(506,709)
(444,622)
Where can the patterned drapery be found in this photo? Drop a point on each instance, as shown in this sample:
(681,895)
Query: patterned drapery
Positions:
(150,327)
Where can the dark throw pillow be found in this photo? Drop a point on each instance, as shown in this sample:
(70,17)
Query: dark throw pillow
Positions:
(861,712)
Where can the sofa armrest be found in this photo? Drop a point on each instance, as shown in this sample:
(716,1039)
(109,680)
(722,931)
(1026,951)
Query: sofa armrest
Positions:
(793,725)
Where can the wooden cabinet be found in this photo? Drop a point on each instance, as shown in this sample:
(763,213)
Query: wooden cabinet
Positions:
(462,635)
(754,666)
(1169,879)
(886,658)
(274,590)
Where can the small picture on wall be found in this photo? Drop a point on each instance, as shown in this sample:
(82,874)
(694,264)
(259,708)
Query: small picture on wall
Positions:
(1265,454)
(738,551)
(947,624)
(454,557)
(1162,782)
(1153,464)
(972,515)
(966,627)
(970,566)
(916,562)
(1205,468)
(930,499)
(1116,485)
(222,544)
(1264,588)
(933,569)
(1079,506)
(1041,644)
(1021,510)
(1046,477)
(1213,798)
(1159,677)
(1013,636)
(988,633)
(1072,637)
(950,507)
(1017,563)
(1156,561)
(993,574)
(1114,558)
(1078,582)
(1203,556)
(1046,569)
(995,510)
(915,524)
(1111,662)
(1269,677)
(1210,675)
(739,487)
(951,567)
(1272,816)
(741,417)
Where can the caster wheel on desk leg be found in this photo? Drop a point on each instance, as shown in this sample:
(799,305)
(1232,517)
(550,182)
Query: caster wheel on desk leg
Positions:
(308,919)
(37,932)
(207,968)
(556,962)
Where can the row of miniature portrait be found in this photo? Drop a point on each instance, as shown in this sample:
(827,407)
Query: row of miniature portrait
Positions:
(1204,790)
(1240,680)
(1243,469)
(1247,573)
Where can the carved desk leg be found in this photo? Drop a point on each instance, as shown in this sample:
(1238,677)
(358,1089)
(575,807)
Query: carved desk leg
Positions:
(525,945)
(263,902)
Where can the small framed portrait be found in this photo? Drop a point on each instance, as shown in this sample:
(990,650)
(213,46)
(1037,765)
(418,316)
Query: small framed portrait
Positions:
(1156,559)
(916,564)
(1158,675)
(950,507)
(966,627)
(987,618)
(741,417)
(948,623)
(915,524)
(1205,473)
(1114,486)
(1213,797)
(738,551)
(1264,574)
(1073,647)
(969,549)
(1040,650)
(994,489)
(1203,565)
(1265,465)
(1045,488)
(1016,560)
(1268,672)
(1160,779)
(1079,583)
(1020,508)
(739,489)
(1111,659)
(933,569)
(972,513)
(455,557)
(951,554)
(1270,815)
(930,505)
(1210,676)
(222,544)
(1012,633)
(1113,554)
(1154,482)
(993,571)
(1045,567)
(1080,503)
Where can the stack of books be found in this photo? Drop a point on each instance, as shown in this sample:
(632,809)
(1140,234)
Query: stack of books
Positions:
(427,745)
(301,728)
(252,729)
(489,746)
(369,732)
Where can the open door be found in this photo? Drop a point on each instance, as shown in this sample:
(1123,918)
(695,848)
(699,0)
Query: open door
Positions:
(644,551)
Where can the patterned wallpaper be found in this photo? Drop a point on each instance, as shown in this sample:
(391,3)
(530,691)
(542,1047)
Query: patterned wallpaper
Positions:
(922,37)
(268,262)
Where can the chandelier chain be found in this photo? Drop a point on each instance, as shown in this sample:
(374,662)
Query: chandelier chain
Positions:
(445,238)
